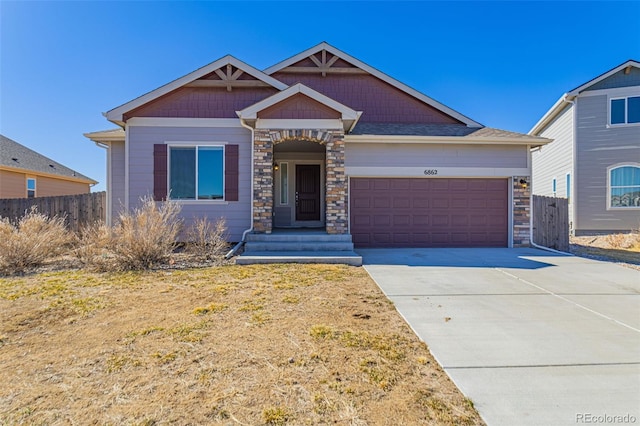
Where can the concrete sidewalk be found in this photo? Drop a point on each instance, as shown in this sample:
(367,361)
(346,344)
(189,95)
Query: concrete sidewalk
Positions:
(533,338)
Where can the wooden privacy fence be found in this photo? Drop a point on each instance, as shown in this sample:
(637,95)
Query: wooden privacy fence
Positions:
(551,222)
(79,210)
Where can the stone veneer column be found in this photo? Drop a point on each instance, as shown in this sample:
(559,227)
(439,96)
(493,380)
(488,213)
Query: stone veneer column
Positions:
(262,182)
(336,202)
(521,212)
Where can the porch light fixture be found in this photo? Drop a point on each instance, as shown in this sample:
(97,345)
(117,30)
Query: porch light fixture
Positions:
(276,167)
(523,183)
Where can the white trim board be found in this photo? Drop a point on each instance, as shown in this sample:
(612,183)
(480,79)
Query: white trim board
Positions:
(441,172)
(320,124)
(183,122)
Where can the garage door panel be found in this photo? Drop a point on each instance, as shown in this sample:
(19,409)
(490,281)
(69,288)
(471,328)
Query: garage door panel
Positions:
(429,212)
(459,220)
(439,185)
(382,220)
(440,220)
(401,238)
(459,185)
(460,203)
(402,220)
(382,238)
(420,220)
(401,202)
(380,184)
(440,203)
(361,202)
(420,203)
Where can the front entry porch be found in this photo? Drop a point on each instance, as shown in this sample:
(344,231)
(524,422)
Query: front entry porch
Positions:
(299,180)
(299,246)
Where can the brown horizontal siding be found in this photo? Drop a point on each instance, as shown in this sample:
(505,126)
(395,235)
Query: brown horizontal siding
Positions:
(298,107)
(14,185)
(51,187)
(381,102)
(190,102)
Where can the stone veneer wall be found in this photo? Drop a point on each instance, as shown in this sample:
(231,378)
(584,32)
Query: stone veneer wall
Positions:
(336,219)
(521,212)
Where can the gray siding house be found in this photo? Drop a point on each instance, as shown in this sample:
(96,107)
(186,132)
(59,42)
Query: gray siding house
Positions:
(320,141)
(594,159)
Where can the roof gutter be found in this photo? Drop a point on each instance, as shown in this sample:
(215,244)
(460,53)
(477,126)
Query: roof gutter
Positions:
(565,99)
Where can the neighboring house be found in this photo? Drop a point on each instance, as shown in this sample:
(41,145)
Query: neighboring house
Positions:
(26,174)
(320,140)
(594,160)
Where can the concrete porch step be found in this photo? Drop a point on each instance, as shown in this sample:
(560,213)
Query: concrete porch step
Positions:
(299,245)
(261,257)
(301,237)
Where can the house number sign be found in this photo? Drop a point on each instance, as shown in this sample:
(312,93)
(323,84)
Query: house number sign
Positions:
(431,172)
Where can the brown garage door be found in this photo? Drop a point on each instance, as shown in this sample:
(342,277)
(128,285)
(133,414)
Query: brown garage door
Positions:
(387,212)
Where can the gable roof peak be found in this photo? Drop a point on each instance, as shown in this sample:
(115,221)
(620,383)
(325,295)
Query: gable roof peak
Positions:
(324,46)
(116,115)
(606,74)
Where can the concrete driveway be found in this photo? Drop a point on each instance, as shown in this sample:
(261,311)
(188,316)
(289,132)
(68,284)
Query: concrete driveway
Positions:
(533,338)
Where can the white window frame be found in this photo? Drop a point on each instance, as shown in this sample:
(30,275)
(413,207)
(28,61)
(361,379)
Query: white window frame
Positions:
(283,165)
(626,110)
(196,145)
(609,170)
(35,186)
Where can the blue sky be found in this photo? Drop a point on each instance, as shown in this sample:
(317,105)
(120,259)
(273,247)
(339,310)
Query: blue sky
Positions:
(62,64)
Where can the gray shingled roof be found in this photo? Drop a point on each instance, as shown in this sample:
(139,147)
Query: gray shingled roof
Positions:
(445,130)
(15,155)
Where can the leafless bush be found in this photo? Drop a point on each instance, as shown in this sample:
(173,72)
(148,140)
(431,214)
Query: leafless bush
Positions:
(142,238)
(31,241)
(147,235)
(207,240)
(94,248)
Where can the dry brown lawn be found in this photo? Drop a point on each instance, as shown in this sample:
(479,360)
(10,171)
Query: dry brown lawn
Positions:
(273,344)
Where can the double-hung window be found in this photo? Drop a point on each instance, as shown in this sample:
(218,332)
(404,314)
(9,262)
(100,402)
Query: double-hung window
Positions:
(624,186)
(624,110)
(31,187)
(196,172)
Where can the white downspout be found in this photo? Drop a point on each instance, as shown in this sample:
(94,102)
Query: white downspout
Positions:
(246,231)
(531,204)
(107,147)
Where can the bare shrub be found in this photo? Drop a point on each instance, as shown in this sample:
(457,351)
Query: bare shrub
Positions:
(616,241)
(31,241)
(207,240)
(95,247)
(143,238)
(147,235)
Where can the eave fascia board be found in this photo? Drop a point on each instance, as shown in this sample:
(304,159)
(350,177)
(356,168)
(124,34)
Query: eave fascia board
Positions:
(551,114)
(377,73)
(464,140)
(116,115)
(49,175)
(251,112)
(107,136)
(577,90)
